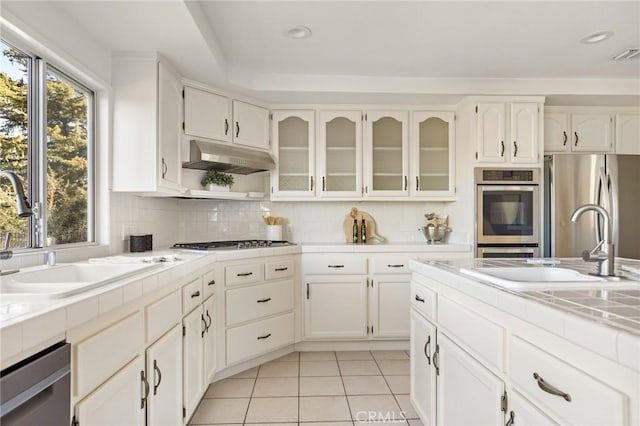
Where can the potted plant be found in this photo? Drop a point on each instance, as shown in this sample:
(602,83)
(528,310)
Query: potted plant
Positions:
(214,180)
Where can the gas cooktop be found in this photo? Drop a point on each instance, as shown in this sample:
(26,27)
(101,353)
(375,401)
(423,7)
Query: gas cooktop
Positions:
(231,245)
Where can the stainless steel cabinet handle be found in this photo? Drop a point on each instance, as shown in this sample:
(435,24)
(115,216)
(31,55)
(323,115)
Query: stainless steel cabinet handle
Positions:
(307,291)
(245,274)
(164,168)
(550,389)
(335,266)
(311,185)
(417,183)
(204,326)
(564,140)
(264,300)
(281,269)
(396,266)
(406,183)
(237,129)
(196,294)
(226,126)
(511,421)
(515,148)
(210,320)
(145,382)
(502,151)
(576,143)
(436,358)
(266,336)
(156,369)
(426,346)
(212,282)
(323,183)
(419,299)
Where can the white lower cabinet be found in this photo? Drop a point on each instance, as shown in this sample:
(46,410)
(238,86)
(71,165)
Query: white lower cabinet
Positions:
(210,361)
(336,307)
(193,330)
(164,377)
(390,305)
(524,413)
(118,401)
(423,372)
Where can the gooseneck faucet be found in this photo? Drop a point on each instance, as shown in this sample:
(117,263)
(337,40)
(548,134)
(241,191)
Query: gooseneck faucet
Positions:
(603,252)
(24,209)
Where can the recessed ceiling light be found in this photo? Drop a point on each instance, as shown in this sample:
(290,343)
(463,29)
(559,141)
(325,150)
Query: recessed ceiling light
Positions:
(298,32)
(596,37)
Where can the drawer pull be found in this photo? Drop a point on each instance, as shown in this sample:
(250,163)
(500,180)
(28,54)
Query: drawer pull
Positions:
(212,282)
(550,389)
(512,418)
(266,336)
(335,266)
(264,300)
(426,346)
(196,294)
(281,269)
(395,266)
(244,274)
(419,299)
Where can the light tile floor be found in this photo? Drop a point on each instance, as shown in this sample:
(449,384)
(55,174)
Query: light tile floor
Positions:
(314,388)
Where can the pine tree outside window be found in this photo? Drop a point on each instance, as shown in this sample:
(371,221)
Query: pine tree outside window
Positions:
(47,138)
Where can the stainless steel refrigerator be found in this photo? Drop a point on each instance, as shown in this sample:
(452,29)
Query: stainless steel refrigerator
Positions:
(611,181)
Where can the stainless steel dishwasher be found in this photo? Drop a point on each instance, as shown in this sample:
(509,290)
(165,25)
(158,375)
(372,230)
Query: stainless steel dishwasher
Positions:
(37,390)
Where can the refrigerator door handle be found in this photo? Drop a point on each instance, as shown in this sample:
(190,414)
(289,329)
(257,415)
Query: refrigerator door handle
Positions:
(602,199)
(613,207)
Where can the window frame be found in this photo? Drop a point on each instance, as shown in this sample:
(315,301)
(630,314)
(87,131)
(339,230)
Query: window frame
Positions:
(37,70)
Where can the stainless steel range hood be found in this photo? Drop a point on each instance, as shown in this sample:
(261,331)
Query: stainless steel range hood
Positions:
(205,155)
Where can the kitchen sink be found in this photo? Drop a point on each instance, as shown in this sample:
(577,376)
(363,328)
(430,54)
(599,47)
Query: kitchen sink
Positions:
(545,278)
(62,280)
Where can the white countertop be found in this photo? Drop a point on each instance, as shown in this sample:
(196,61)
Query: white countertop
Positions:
(386,247)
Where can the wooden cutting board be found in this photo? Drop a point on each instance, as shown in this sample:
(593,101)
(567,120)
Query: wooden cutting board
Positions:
(369,221)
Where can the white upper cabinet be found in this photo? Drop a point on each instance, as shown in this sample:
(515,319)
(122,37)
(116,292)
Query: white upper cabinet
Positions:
(556,132)
(592,132)
(628,133)
(432,154)
(340,155)
(250,125)
(386,157)
(294,147)
(169,118)
(206,114)
(508,132)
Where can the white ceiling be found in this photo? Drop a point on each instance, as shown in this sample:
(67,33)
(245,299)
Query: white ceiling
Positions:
(416,49)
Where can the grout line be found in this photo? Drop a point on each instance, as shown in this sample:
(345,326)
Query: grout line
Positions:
(255,381)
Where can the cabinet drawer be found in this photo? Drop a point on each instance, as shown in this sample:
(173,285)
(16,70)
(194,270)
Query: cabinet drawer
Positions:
(423,300)
(191,295)
(162,315)
(476,332)
(591,401)
(244,274)
(253,339)
(391,264)
(276,270)
(99,356)
(209,284)
(334,264)
(247,303)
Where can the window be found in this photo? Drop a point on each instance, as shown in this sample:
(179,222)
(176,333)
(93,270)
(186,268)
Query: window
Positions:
(46,122)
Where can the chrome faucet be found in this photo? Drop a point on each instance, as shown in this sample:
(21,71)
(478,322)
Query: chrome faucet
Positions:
(24,209)
(603,252)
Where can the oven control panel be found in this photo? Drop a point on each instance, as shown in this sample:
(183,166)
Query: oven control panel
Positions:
(511,176)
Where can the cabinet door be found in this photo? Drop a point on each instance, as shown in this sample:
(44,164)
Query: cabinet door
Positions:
(209,307)
(390,305)
(206,115)
(592,132)
(340,155)
(192,359)
(628,134)
(335,307)
(386,154)
(169,132)
(556,132)
(523,132)
(468,394)
(119,401)
(524,413)
(423,372)
(164,371)
(432,153)
(490,132)
(294,147)
(250,125)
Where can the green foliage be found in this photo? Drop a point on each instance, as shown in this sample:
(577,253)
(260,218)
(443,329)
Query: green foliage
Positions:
(217,178)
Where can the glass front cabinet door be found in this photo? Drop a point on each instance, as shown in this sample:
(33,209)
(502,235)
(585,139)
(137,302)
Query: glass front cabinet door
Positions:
(386,154)
(340,155)
(294,147)
(432,159)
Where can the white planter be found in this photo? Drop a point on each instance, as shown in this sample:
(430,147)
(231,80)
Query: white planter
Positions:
(217,188)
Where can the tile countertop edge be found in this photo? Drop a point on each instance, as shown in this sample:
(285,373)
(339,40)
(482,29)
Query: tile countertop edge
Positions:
(622,345)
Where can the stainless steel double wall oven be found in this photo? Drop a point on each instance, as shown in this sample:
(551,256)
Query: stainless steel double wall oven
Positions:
(507,212)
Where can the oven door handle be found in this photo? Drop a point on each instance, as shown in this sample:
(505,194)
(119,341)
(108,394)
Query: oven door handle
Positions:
(500,188)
